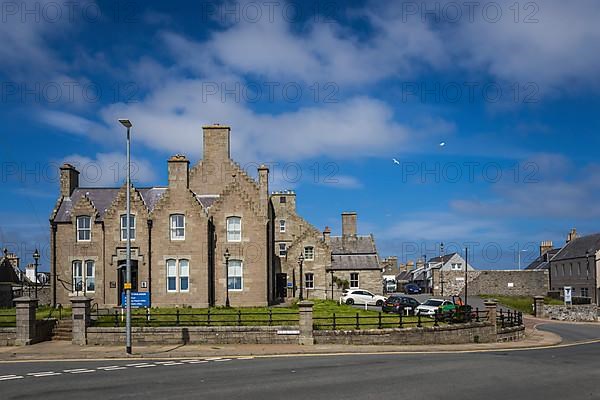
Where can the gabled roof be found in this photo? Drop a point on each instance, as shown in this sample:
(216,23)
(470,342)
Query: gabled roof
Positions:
(444,259)
(578,247)
(207,200)
(543,261)
(8,272)
(353,245)
(102,199)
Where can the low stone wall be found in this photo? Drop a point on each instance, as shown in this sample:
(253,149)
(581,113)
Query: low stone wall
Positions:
(476,332)
(196,335)
(8,336)
(582,313)
(510,334)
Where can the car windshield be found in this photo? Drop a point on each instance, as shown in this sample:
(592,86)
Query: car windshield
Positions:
(432,302)
(394,298)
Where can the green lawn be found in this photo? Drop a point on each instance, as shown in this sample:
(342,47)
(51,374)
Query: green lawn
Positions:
(323,312)
(8,315)
(520,303)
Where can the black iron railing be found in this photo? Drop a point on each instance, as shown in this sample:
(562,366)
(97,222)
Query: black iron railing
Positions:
(381,320)
(8,318)
(192,317)
(509,319)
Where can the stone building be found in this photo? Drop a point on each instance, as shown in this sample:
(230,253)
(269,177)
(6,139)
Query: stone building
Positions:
(577,265)
(179,234)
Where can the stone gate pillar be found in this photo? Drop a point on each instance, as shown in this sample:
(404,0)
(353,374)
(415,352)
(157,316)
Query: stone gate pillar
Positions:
(26,307)
(491,308)
(81,319)
(306,323)
(538,306)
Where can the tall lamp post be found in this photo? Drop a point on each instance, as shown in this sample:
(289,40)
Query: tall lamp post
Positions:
(36,258)
(300,262)
(466,275)
(520,251)
(127,124)
(227,255)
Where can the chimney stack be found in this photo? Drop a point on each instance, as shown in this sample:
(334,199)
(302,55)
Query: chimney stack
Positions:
(572,235)
(263,182)
(327,235)
(348,224)
(545,247)
(179,171)
(216,145)
(69,179)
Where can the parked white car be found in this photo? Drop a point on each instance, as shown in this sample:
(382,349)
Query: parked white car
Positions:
(431,306)
(360,296)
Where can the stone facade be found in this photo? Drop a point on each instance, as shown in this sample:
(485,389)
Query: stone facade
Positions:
(452,283)
(579,313)
(510,283)
(183,266)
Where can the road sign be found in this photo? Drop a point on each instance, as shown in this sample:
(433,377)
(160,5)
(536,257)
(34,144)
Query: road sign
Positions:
(290,284)
(138,299)
(568,293)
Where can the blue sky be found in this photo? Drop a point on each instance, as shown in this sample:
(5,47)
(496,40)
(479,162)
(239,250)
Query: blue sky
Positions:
(332,90)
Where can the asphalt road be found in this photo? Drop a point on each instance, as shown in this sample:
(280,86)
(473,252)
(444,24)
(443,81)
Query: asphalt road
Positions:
(561,372)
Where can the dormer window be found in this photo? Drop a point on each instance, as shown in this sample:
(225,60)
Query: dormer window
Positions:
(84,228)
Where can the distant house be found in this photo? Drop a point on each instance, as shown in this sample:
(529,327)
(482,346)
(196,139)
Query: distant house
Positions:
(576,265)
(547,252)
(425,276)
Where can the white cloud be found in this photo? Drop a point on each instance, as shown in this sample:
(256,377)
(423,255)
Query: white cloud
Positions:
(110,169)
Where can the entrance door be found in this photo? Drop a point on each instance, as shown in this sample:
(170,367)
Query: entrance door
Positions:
(281,285)
(122,275)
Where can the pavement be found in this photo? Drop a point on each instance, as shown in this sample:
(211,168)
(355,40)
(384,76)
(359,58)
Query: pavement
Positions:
(568,371)
(538,333)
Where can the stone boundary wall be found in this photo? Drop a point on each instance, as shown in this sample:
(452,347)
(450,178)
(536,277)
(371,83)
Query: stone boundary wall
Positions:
(510,283)
(195,335)
(510,334)
(8,336)
(476,332)
(581,313)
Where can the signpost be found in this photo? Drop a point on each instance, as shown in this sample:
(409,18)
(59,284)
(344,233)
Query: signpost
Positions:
(138,299)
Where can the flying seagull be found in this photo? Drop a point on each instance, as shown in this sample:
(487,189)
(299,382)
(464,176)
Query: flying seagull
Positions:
(442,144)
(395,161)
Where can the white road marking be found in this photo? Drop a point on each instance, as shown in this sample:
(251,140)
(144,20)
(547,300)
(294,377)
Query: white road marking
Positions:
(197,362)
(10,377)
(75,370)
(137,364)
(115,368)
(85,371)
(145,366)
(223,359)
(245,358)
(213,358)
(168,364)
(42,374)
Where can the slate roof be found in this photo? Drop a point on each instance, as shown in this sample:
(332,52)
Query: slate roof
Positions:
(8,272)
(102,199)
(353,245)
(444,258)
(207,200)
(404,276)
(577,247)
(355,262)
(543,261)
(354,253)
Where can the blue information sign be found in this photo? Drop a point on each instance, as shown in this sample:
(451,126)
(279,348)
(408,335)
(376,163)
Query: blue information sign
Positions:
(138,299)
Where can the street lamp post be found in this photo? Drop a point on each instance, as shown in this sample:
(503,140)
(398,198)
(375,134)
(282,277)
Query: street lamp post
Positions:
(227,255)
(127,124)
(36,258)
(331,284)
(466,275)
(300,262)
(520,258)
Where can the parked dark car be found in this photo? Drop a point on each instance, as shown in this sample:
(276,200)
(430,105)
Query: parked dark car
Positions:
(411,288)
(397,304)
